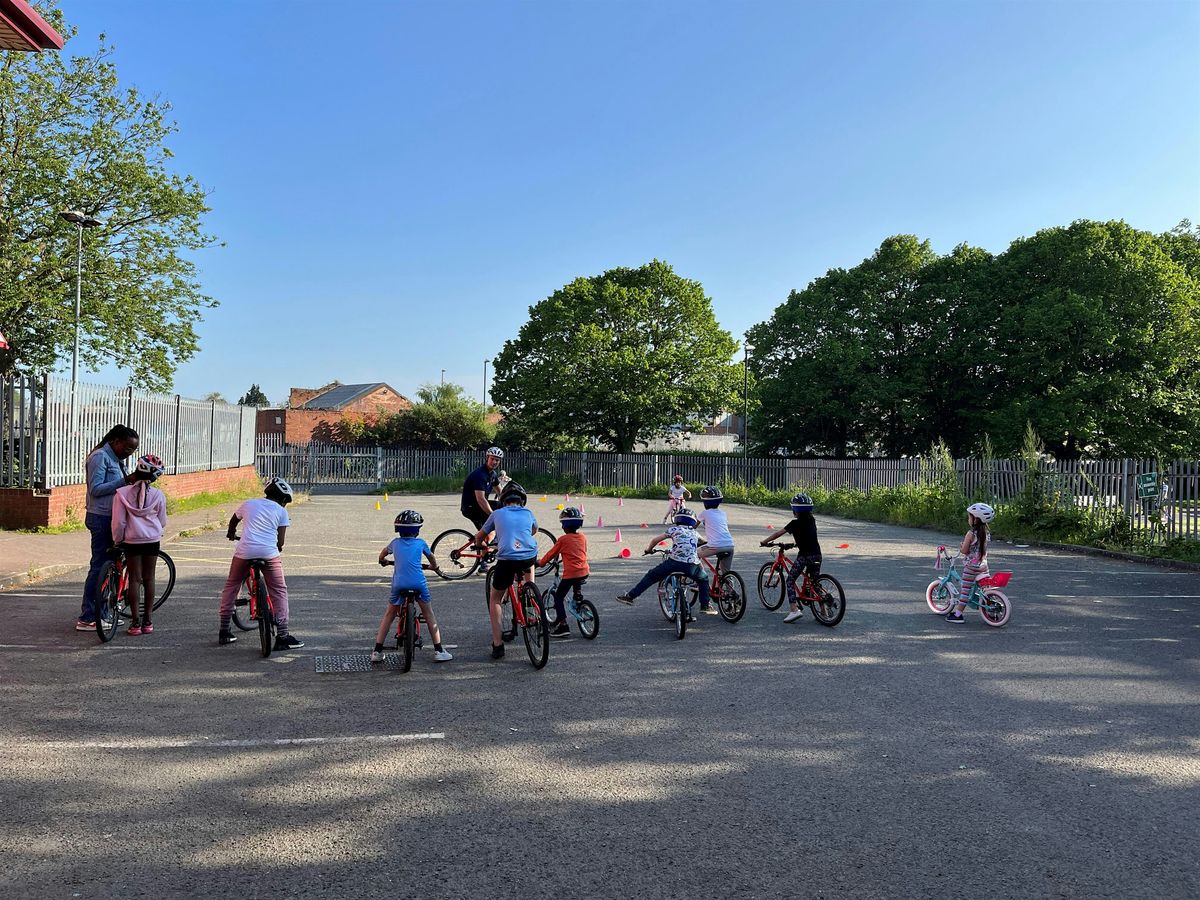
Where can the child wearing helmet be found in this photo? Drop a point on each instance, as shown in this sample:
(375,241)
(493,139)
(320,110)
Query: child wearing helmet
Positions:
(264,528)
(714,521)
(683,558)
(407,550)
(139,514)
(803,531)
(677,494)
(974,551)
(516,540)
(573,548)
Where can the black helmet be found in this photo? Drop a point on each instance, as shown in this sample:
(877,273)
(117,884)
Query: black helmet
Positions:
(712,496)
(801,503)
(513,491)
(684,516)
(571,517)
(280,488)
(408,523)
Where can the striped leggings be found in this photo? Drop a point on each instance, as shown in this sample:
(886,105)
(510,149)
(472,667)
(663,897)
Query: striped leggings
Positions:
(973,570)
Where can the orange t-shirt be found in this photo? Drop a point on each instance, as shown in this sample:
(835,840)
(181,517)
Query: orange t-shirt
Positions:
(573,549)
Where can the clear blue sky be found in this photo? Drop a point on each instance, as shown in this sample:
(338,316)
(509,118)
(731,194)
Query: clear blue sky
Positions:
(396,190)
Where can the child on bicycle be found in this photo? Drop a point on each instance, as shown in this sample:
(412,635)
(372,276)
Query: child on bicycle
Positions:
(683,558)
(677,494)
(516,540)
(573,548)
(714,521)
(264,527)
(139,514)
(407,550)
(974,551)
(803,531)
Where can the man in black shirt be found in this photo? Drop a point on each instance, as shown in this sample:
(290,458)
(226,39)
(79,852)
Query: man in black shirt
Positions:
(479,484)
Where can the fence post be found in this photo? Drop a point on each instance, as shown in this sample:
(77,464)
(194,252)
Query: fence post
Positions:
(378,467)
(212,433)
(129,406)
(1123,492)
(177,403)
(241,425)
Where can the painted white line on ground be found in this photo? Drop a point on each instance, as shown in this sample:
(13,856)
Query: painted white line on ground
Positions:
(1124,596)
(211,743)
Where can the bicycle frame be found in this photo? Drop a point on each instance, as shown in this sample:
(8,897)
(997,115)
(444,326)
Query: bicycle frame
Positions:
(783,566)
(953,579)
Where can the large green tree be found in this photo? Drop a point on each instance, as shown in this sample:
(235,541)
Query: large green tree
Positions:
(254,397)
(443,418)
(618,358)
(72,138)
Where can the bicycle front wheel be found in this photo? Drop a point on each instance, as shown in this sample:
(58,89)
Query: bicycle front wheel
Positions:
(545,541)
(536,631)
(588,618)
(666,596)
(167,565)
(680,604)
(266,622)
(454,557)
(771,590)
(108,603)
(940,596)
(410,635)
(829,605)
(732,603)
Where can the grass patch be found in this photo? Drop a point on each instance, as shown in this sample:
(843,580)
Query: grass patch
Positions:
(205,499)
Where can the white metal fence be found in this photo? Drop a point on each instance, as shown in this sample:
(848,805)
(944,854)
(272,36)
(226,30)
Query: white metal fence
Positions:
(40,451)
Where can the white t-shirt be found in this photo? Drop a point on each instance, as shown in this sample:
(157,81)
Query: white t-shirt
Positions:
(716,528)
(684,541)
(676,493)
(261,521)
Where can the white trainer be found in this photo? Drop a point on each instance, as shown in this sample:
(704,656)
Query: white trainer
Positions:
(793,615)
(376,656)
(442,656)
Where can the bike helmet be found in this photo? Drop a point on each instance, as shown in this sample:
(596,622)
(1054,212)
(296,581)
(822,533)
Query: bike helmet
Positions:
(513,491)
(711,496)
(495,451)
(982,511)
(678,478)
(685,517)
(278,486)
(801,503)
(571,519)
(151,465)
(408,523)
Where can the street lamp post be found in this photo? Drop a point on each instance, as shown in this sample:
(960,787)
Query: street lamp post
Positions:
(746,348)
(81,221)
(485,390)
(443,376)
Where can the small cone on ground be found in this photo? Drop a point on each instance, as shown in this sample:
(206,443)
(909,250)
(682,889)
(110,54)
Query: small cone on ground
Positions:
(542,499)
(843,546)
(617,538)
(599,521)
(770,527)
(644,525)
(377,506)
(567,498)
(620,501)
(625,553)
(386,498)
(559,507)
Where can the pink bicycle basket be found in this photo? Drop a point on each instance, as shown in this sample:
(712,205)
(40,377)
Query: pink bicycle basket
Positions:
(999,580)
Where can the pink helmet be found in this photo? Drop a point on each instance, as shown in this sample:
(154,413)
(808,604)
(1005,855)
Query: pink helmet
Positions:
(151,464)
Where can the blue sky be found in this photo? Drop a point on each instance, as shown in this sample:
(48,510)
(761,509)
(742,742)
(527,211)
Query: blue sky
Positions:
(394,191)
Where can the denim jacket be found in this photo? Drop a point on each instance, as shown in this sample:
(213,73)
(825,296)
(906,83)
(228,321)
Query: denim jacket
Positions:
(105,473)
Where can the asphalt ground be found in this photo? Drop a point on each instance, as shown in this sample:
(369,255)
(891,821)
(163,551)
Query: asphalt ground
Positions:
(894,755)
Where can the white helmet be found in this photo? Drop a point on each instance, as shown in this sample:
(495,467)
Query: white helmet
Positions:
(495,451)
(982,511)
(278,485)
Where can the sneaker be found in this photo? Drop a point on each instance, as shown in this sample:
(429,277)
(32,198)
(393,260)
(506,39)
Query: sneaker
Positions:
(288,642)
(442,656)
(709,610)
(954,616)
(147,628)
(134,630)
(376,656)
(624,598)
(561,630)
(794,615)
(85,626)
(226,637)
(416,643)
(497,651)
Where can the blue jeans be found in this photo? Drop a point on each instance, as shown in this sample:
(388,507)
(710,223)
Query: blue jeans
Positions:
(670,566)
(101,528)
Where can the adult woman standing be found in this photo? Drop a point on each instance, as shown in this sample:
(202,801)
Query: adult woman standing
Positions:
(105,473)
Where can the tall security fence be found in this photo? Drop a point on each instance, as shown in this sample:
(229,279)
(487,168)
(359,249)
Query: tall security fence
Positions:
(1162,494)
(40,449)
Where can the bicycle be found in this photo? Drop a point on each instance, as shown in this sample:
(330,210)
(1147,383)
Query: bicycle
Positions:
(111,601)
(728,590)
(407,620)
(457,555)
(257,597)
(823,595)
(584,611)
(525,615)
(674,599)
(943,593)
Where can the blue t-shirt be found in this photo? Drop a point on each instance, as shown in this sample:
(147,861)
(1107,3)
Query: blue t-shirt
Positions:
(514,527)
(480,480)
(408,553)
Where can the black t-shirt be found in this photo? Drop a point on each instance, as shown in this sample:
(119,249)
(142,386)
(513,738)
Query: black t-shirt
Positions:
(480,480)
(804,532)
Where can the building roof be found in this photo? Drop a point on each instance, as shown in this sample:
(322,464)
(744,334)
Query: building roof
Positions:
(21,28)
(343,395)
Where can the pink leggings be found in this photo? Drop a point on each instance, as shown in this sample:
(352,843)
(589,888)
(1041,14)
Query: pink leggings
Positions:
(276,587)
(972,572)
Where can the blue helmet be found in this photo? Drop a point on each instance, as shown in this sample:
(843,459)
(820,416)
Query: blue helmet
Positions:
(711,496)
(686,518)
(408,523)
(801,503)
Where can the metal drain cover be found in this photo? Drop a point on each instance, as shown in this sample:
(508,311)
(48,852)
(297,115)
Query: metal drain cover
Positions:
(357,662)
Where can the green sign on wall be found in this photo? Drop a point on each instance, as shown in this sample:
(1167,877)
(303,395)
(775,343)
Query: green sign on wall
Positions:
(1147,485)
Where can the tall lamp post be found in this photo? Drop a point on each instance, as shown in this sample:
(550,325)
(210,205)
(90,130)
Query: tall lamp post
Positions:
(746,348)
(81,221)
(485,390)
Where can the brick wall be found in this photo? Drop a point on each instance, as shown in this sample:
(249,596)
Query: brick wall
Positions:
(382,399)
(23,508)
(297,397)
(265,421)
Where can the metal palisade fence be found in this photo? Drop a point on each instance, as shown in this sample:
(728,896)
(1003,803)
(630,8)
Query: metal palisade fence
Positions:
(1169,491)
(40,451)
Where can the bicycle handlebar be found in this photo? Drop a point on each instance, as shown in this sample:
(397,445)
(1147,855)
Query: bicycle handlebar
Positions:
(781,546)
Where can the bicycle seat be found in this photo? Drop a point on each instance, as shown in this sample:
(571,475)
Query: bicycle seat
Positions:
(257,562)
(409,594)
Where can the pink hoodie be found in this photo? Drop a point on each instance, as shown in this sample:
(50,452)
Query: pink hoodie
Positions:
(139,514)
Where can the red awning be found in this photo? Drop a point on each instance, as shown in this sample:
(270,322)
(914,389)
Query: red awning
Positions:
(21,28)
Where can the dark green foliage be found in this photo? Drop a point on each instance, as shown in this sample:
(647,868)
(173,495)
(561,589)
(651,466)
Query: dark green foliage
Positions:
(254,397)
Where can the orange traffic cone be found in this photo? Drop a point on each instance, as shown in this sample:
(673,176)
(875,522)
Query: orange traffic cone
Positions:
(617,539)
(644,525)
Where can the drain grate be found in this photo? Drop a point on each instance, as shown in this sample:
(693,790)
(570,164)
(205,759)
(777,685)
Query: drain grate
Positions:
(357,662)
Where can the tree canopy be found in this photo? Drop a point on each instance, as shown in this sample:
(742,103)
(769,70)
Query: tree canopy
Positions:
(72,138)
(618,358)
(443,418)
(254,397)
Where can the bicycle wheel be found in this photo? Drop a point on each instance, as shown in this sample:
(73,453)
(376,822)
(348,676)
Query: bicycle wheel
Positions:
(108,603)
(770,586)
(548,609)
(453,555)
(410,634)
(266,622)
(164,563)
(545,540)
(995,607)
(666,597)
(830,603)
(732,602)
(940,596)
(588,618)
(241,607)
(536,631)
(508,624)
(680,605)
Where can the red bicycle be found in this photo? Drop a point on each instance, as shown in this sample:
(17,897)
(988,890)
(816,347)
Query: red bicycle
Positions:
(727,590)
(111,596)
(457,556)
(260,611)
(521,607)
(823,594)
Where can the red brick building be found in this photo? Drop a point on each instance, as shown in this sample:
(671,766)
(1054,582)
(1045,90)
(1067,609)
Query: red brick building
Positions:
(312,413)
